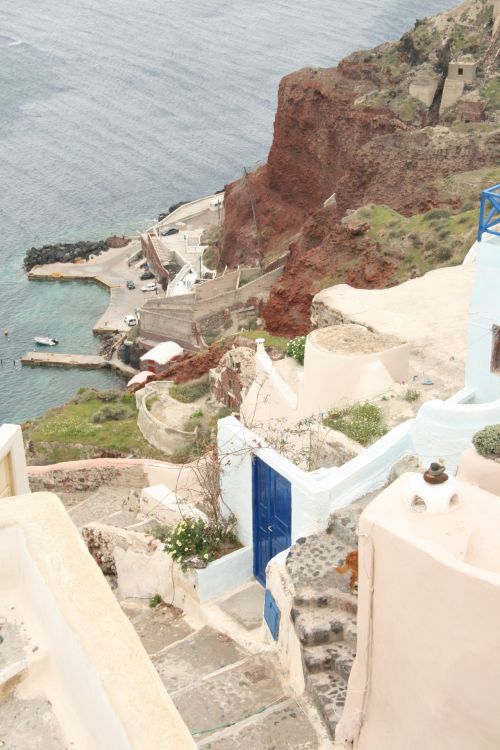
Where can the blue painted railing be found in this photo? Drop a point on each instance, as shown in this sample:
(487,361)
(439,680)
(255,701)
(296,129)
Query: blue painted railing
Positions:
(489,212)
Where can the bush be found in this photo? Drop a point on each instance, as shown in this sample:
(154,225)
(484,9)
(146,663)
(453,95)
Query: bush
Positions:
(155,601)
(361,422)
(111,412)
(194,421)
(444,253)
(191,391)
(194,537)
(296,348)
(108,395)
(411,395)
(487,441)
(436,213)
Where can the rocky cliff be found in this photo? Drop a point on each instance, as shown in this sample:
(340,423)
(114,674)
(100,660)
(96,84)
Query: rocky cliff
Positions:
(366,182)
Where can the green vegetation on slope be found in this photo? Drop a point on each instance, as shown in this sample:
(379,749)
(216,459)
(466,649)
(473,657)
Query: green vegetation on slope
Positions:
(278,342)
(436,238)
(361,422)
(191,391)
(71,432)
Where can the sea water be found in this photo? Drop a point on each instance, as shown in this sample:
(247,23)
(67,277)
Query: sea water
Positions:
(111,110)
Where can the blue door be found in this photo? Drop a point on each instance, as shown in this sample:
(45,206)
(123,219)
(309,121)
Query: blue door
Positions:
(272,516)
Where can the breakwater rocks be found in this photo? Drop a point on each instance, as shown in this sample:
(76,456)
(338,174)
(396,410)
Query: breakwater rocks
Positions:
(65,253)
(69,253)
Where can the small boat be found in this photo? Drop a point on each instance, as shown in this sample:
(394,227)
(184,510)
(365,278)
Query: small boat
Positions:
(45,341)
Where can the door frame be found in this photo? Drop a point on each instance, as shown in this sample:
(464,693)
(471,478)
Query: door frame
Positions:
(255,525)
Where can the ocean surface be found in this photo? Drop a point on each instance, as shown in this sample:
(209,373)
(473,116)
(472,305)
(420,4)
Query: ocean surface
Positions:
(112,111)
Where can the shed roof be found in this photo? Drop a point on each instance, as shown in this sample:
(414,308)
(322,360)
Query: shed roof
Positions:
(162,353)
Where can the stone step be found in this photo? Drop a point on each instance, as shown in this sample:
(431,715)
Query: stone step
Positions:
(332,657)
(343,525)
(311,565)
(307,598)
(315,627)
(281,727)
(328,691)
(229,696)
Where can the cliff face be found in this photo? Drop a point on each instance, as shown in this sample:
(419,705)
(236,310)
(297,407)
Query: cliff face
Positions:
(355,131)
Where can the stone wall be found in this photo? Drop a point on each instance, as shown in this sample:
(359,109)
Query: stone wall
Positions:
(66,479)
(209,289)
(174,318)
(231,378)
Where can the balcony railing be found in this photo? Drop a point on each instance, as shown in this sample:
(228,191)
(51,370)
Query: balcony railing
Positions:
(489,212)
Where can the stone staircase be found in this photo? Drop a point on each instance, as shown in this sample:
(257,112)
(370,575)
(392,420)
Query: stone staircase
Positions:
(227,696)
(324,611)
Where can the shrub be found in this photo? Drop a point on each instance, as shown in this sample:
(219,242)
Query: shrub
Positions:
(436,213)
(361,422)
(191,391)
(111,412)
(194,537)
(444,253)
(411,395)
(194,421)
(296,348)
(155,601)
(108,395)
(487,441)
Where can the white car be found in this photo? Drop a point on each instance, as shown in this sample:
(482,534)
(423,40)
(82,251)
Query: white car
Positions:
(149,287)
(130,320)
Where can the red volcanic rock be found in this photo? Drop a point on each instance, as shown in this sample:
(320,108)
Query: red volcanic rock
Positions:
(115,241)
(328,139)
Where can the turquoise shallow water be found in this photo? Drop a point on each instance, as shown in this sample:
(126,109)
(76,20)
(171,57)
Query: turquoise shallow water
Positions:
(112,110)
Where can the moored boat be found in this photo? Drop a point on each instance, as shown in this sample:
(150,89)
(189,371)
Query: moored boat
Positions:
(45,341)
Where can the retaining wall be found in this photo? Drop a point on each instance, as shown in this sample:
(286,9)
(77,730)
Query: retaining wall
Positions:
(157,433)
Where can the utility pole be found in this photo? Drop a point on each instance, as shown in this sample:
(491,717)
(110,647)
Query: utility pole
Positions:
(252,204)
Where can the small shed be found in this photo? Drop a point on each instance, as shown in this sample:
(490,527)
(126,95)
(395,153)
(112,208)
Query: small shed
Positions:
(159,356)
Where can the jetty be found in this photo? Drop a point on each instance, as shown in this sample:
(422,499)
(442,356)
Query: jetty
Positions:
(85,361)
(61,359)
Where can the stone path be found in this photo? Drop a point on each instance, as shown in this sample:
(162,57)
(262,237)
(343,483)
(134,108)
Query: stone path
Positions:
(229,698)
(324,612)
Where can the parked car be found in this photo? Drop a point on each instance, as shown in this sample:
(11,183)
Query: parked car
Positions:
(149,287)
(130,284)
(130,320)
(169,231)
(147,275)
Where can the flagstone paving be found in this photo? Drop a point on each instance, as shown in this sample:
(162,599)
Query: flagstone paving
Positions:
(229,698)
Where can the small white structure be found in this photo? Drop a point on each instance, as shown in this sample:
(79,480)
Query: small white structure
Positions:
(422,497)
(424,85)
(343,364)
(460,73)
(160,355)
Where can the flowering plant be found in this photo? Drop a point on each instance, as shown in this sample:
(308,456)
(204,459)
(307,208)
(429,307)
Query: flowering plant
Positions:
(194,537)
(296,348)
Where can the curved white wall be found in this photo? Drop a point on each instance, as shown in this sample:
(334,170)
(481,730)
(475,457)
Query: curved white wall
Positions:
(484,313)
